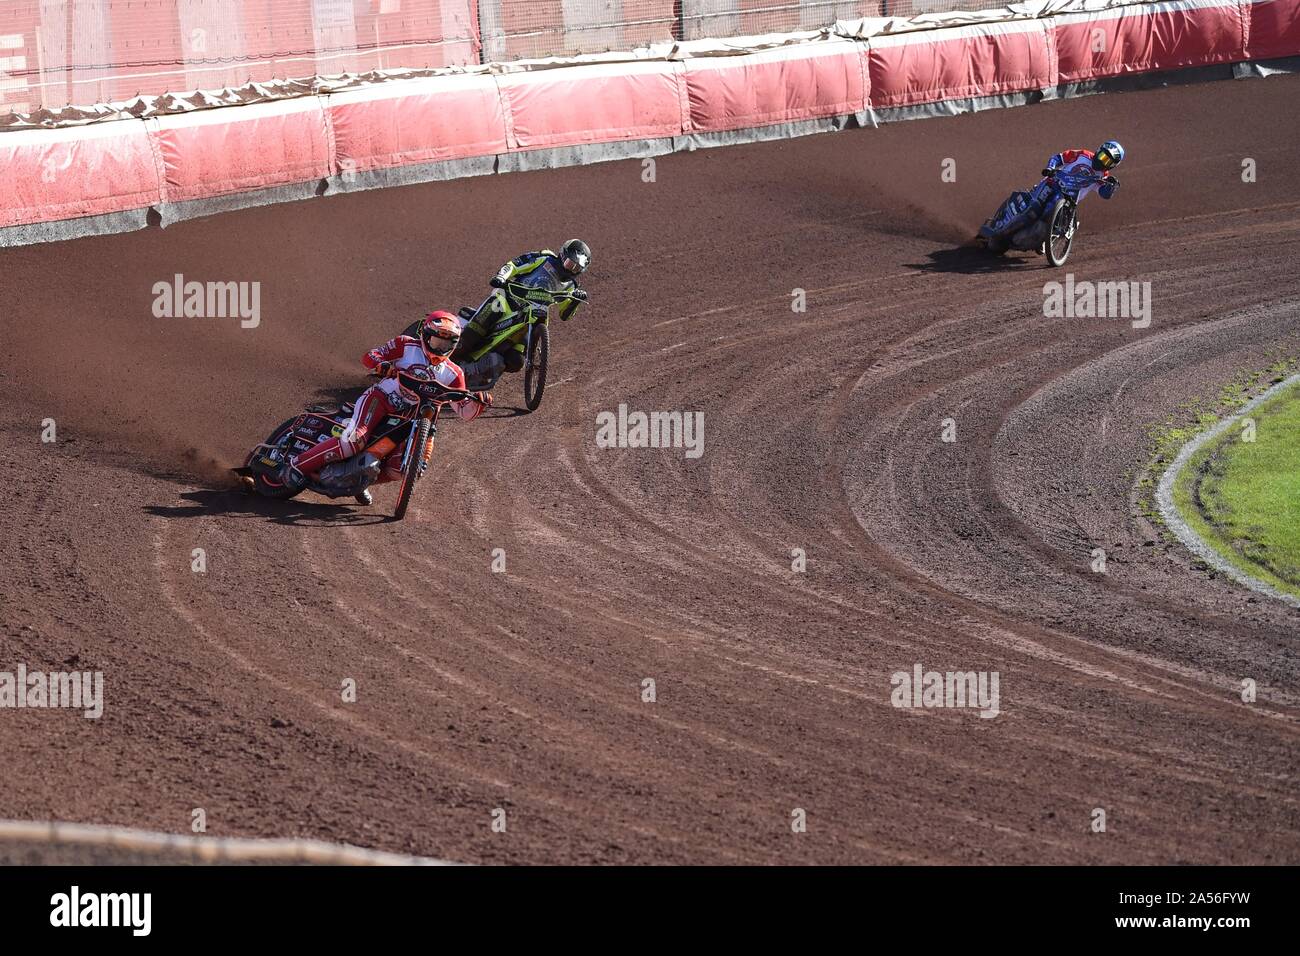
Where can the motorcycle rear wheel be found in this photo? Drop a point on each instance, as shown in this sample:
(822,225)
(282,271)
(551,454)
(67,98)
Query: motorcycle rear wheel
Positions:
(265,485)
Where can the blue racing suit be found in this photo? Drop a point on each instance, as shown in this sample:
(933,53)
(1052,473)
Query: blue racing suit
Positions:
(1070,169)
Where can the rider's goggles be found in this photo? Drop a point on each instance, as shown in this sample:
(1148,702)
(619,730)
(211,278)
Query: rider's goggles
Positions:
(438,343)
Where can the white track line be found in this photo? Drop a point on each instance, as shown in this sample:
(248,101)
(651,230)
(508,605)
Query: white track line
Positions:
(207,849)
(1175,522)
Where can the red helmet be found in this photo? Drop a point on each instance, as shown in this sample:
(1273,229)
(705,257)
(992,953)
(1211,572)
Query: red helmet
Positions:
(439,334)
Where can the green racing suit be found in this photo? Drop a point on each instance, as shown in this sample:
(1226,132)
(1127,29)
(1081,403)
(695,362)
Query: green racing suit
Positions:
(533,270)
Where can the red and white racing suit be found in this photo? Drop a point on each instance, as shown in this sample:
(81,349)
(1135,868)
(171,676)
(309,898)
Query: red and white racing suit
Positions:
(1077,163)
(383,400)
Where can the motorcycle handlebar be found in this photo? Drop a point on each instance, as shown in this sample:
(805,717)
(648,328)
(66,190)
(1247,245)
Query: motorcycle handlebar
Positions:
(459,395)
(520,291)
(446,394)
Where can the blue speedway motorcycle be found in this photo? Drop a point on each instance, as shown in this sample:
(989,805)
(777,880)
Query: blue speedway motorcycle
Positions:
(1044,220)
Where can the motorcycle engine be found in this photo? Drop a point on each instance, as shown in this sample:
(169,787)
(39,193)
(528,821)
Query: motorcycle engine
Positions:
(351,476)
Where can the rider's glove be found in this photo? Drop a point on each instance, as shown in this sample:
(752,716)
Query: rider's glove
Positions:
(383,369)
(579,294)
(497,282)
(484,398)
(1108,187)
(1048,171)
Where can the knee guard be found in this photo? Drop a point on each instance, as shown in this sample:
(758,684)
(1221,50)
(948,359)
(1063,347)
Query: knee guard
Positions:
(483,370)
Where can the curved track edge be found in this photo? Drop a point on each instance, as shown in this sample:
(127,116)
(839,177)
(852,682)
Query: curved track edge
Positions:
(1184,531)
(203,850)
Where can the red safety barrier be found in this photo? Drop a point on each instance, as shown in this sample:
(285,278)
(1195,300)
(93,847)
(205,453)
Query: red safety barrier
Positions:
(418,122)
(776,86)
(1272,29)
(958,63)
(46,175)
(215,152)
(1171,36)
(591,104)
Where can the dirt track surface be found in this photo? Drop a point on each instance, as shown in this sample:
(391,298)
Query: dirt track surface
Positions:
(522,690)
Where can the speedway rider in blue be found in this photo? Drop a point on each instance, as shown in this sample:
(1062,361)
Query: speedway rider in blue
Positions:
(532,270)
(1089,171)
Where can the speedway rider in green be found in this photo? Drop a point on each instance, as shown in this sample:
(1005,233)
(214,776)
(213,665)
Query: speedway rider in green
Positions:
(531,272)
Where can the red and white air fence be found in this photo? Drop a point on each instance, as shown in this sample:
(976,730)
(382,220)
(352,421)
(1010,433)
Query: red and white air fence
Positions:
(530,114)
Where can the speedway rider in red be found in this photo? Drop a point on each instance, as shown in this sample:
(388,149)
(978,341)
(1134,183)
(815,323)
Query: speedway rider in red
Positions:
(439,334)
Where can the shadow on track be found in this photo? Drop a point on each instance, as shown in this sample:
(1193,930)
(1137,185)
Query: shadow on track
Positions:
(502,411)
(970,260)
(338,394)
(238,504)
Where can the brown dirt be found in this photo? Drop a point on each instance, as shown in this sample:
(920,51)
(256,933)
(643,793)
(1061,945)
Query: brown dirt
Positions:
(522,690)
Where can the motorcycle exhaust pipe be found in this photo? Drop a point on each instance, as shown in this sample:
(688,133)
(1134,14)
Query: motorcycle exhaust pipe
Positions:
(349,477)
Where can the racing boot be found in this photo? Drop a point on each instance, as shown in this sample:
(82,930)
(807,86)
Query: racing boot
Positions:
(290,476)
(483,373)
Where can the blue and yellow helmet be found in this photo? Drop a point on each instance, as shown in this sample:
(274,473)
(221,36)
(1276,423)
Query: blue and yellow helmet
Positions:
(1109,155)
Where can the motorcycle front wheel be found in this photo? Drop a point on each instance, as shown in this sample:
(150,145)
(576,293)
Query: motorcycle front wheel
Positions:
(413,468)
(1060,233)
(535,369)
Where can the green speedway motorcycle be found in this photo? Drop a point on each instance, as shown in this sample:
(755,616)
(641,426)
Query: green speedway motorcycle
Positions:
(528,324)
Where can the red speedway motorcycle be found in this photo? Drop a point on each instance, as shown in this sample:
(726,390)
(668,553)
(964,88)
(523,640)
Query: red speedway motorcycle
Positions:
(262,471)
